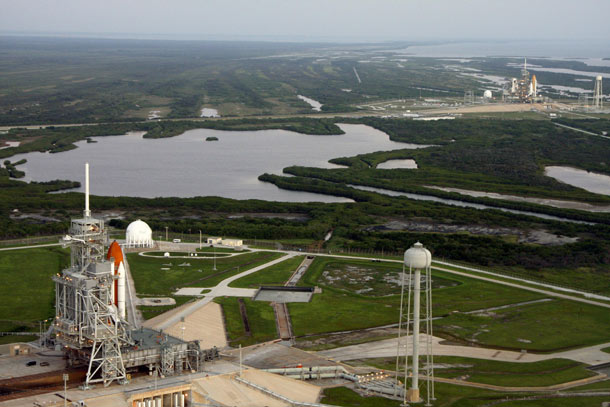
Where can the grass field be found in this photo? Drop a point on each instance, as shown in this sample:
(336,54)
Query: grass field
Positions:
(537,374)
(261,319)
(550,326)
(27,293)
(459,396)
(150,278)
(338,310)
(277,274)
(545,326)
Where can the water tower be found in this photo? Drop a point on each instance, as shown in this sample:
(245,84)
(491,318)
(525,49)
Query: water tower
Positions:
(416,270)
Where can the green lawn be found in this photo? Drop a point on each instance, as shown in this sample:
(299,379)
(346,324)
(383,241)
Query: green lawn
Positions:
(550,326)
(603,385)
(277,274)
(261,319)
(150,279)
(537,374)
(27,293)
(338,310)
(448,395)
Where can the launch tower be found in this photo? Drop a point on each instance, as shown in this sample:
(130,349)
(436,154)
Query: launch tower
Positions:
(87,323)
(90,325)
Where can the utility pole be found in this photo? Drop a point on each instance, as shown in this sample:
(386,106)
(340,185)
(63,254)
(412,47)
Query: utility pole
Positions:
(200,240)
(66,378)
(166,238)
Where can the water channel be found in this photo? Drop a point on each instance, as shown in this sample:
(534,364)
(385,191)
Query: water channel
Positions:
(455,202)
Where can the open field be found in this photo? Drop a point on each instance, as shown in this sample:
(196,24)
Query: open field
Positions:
(339,310)
(260,317)
(159,276)
(277,274)
(548,326)
(541,326)
(537,374)
(23,303)
(94,80)
(458,396)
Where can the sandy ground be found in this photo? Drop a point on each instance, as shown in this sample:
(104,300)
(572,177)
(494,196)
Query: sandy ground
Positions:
(204,324)
(227,390)
(489,108)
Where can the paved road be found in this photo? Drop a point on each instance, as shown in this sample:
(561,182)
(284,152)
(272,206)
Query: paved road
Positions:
(581,131)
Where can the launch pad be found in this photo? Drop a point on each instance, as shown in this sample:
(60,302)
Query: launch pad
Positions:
(90,323)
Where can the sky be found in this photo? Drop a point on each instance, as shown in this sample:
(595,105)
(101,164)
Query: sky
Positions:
(311,20)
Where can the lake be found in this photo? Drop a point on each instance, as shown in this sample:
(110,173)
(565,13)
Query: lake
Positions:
(187,165)
(590,181)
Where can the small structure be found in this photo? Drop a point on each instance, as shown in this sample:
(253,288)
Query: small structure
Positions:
(138,234)
(487,94)
(283,294)
(214,240)
(232,242)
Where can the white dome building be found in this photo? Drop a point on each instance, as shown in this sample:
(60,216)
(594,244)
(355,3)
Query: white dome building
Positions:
(138,234)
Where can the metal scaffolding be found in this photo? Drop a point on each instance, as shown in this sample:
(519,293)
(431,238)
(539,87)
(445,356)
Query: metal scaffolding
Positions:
(86,320)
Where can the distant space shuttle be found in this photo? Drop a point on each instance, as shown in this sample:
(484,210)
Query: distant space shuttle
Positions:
(533,87)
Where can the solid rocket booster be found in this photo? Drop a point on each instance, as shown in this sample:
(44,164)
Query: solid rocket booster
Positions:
(118,287)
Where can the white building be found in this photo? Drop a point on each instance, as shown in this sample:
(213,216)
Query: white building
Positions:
(232,242)
(138,234)
(214,240)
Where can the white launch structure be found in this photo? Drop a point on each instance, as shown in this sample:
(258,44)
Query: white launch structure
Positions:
(416,260)
(90,323)
(598,96)
(87,323)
